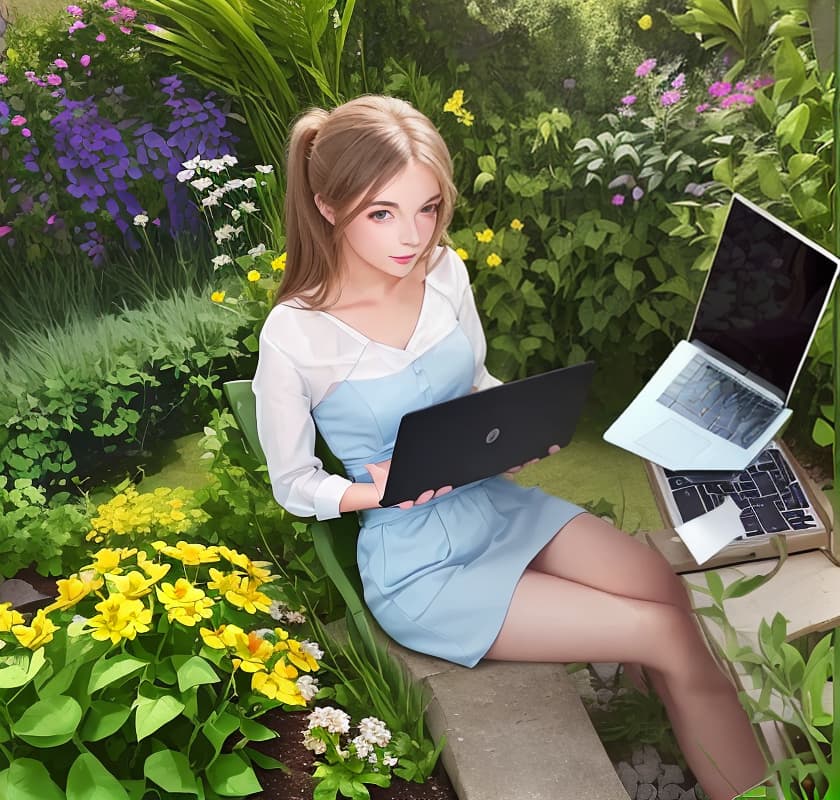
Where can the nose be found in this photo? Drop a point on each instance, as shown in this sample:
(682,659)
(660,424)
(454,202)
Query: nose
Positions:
(409,234)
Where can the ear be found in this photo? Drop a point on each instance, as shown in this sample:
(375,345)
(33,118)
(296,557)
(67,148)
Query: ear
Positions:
(327,212)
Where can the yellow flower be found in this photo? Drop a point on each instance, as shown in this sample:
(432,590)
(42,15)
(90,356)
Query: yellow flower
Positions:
(453,104)
(279,684)
(189,554)
(466,118)
(215,638)
(135,585)
(253,275)
(485,236)
(223,582)
(295,652)
(191,613)
(645,22)
(247,597)
(119,618)
(217,297)
(462,254)
(279,262)
(516,224)
(75,588)
(493,260)
(249,651)
(154,570)
(182,593)
(39,633)
(256,570)
(107,560)
(9,617)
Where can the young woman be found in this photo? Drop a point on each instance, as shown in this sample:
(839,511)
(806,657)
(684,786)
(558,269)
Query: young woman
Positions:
(376,318)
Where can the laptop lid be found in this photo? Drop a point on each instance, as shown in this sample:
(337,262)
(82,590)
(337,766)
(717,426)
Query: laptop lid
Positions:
(484,433)
(763,298)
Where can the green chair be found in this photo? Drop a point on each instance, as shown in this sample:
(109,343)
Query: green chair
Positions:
(335,540)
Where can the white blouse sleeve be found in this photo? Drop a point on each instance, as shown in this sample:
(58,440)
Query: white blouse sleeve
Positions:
(471,325)
(287,435)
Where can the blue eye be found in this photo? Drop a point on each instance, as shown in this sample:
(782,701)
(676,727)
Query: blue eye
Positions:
(430,209)
(380,216)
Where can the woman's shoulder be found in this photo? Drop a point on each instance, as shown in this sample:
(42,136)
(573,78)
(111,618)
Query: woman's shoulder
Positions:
(448,273)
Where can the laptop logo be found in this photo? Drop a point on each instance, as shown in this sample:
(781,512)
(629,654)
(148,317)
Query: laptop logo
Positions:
(492,436)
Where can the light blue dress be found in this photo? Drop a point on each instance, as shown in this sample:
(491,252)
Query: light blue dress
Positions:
(438,577)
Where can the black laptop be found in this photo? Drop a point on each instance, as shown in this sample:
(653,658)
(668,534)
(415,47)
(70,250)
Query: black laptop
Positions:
(485,433)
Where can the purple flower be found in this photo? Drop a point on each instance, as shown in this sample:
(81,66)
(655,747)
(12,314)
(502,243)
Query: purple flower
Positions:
(628,100)
(670,97)
(617,200)
(720,89)
(101,37)
(569,83)
(74,11)
(737,99)
(760,83)
(645,67)
(679,81)
(4,230)
(110,5)
(76,26)
(125,30)
(53,79)
(25,132)
(85,60)
(638,193)
(702,107)
(4,79)
(60,63)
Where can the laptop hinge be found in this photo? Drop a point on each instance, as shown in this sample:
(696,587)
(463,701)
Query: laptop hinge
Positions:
(775,391)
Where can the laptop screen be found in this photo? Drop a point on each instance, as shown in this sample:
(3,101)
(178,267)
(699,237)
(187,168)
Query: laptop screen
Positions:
(764,295)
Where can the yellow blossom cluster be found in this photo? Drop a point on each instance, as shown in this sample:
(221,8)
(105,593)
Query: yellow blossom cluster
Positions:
(485,236)
(279,263)
(138,515)
(455,105)
(218,296)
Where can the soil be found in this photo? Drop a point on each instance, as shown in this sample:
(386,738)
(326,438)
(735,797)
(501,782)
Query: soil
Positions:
(297,782)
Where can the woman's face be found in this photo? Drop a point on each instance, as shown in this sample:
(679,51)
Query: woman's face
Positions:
(389,235)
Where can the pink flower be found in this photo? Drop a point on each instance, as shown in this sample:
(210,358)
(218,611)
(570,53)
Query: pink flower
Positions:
(617,200)
(702,107)
(645,67)
(51,219)
(101,37)
(74,11)
(53,79)
(110,5)
(152,28)
(127,14)
(76,26)
(628,99)
(85,60)
(679,81)
(760,83)
(4,79)
(60,63)
(742,86)
(737,99)
(720,89)
(670,97)
(125,30)
(25,132)
(4,230)
(17,120)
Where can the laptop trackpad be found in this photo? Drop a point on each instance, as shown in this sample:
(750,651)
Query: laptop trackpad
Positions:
(673,439)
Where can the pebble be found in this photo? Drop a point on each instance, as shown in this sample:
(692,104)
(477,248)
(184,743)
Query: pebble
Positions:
(646,791)
(670,773)
(628,777)
(603,696)
(670,791)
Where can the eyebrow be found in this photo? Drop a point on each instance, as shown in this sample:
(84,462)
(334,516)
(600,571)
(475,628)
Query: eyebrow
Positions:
(389,204)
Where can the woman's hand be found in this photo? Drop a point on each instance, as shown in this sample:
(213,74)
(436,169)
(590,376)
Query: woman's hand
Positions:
(379,473)
(510,472)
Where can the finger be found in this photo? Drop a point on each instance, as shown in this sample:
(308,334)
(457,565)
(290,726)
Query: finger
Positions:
(512,470)
(406,504)
(425,497)
(443,490)
(553,449)
(532,461)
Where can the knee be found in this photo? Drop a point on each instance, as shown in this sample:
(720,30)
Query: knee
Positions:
(673,636)
(670,586)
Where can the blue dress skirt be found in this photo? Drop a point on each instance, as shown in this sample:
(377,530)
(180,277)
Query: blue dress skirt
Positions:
(437,577)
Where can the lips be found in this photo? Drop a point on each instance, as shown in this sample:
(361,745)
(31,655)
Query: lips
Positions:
(401,259)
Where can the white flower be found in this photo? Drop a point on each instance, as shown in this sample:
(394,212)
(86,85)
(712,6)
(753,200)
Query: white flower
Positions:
(373,730)
(388,760)
(249,183)
(277,609)
(79,619)
(200,184)
(224,233)
(184,175)
(266,169)
(229,160)
(211,200)
(233,183)
(220,261)
(332,719)
(192,163)
(313,744)
(257,251)
(235,214)
(307,686)
(140,220)
(312,649)
(248,207)
(215,165)
(363,748)
(295,618)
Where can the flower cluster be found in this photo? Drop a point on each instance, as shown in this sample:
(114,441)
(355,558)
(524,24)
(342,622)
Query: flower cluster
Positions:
(326,726)
(455,105)
(665,91)
(726,96)
(141,516)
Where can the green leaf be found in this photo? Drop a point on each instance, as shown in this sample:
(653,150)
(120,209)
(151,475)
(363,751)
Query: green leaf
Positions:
(89,780)
(27,779)
(14,676)
(255,731)
(108,671)
(822,433)
(230,776)
(487,164)
(715,584)
(624,274)
(103,719)
(154,712)
(171,770)
(792,127)
(195,671)
(769,179)
(799,163)
(481,180)
(49,723)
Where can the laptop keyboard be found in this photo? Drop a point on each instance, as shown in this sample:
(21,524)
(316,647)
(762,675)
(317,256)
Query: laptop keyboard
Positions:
(768,493)
(719,403)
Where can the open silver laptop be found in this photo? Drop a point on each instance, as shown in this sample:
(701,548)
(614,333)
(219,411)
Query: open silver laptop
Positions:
(722,395)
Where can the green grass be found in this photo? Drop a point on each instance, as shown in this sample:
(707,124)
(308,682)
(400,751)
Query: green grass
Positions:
(19,8)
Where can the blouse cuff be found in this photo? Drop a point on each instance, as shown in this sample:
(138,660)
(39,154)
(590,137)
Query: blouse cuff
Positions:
(328,497)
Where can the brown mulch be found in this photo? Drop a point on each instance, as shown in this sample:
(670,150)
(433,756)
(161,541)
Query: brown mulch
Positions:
(298,782)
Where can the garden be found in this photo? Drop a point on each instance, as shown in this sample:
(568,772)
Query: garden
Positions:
(188,619)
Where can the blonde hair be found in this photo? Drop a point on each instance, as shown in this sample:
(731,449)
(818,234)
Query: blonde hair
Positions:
(347,156)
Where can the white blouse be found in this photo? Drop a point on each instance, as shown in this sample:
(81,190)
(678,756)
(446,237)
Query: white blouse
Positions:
(304,354)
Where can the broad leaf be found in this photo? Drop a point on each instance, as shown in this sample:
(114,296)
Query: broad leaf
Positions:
(49,723)
(230,776)
(27,779)
(89,780)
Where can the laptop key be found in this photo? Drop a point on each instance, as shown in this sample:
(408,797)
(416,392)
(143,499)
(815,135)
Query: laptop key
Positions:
(771,520)
(689,503)
(764,483)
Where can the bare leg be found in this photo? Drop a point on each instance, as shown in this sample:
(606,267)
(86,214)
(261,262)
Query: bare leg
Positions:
(633,604)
